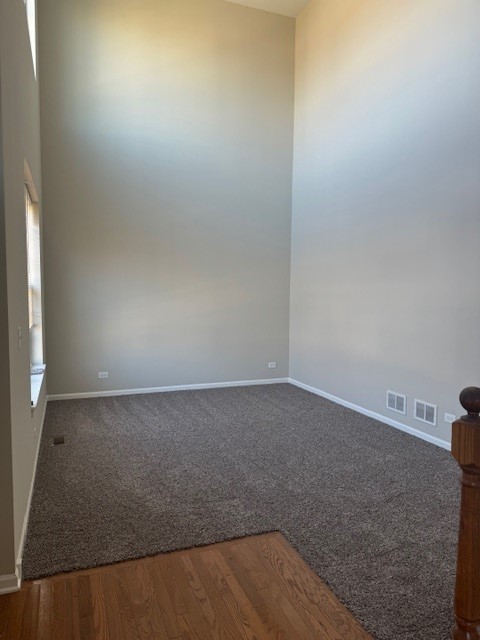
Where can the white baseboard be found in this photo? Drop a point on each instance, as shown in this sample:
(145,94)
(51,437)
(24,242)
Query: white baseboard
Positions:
(9,583)
(29,502)
(182,387)
(376,416)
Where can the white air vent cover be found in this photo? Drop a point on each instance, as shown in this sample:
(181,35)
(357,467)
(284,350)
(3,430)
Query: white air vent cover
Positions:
(426,412)
(396,402)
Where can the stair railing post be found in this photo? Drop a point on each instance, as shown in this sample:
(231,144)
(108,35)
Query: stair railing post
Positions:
(466,450)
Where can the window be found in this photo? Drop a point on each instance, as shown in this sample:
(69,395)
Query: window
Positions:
(34,291)
(32,30)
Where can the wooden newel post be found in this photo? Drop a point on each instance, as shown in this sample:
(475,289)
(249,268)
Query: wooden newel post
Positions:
(466,450)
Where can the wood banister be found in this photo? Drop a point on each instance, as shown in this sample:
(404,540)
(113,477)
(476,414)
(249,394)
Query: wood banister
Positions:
(466,450)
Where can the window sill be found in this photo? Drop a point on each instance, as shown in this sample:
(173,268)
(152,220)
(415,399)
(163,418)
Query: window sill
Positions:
(36,382)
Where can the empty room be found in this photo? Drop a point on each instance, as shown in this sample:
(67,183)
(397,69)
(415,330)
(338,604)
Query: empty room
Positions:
(239,320)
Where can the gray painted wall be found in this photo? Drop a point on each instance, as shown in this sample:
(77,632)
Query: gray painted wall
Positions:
(386,202)
(7,557)
(167,158)
(21,140)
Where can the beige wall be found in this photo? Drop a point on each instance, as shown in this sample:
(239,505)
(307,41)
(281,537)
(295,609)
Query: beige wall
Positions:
(167,159)
(386,219)
(21,140)
(167,133)
(7,548)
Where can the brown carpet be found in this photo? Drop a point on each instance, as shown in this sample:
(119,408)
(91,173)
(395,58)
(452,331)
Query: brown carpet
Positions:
(373,510)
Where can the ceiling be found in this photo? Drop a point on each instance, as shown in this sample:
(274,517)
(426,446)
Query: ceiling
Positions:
(285,7)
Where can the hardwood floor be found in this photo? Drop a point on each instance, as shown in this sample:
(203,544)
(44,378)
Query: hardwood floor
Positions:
(256,588)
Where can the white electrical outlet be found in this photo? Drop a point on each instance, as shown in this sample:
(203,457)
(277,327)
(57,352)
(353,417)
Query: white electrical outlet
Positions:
(102,375)
(449,417)
(272,365)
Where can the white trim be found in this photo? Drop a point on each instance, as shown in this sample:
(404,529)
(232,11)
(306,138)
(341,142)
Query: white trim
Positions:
(36,383)
(29,183)
(376,416)
(29,502)
(9,583)
(181,387)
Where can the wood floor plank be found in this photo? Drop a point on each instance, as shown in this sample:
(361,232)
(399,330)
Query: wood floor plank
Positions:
(85,608)
(133,587)
(5,606)
(278,610)
(113,616)
(244,566)
(58,622)
(164,600)
(205,604)
(153,610)
(127,612)
(280,617)
(99,596)
(191,629)
(44,609)
(14,622)
(71,608)
(193,614)
(30,613)
(147,603)
(257,588)
(171,571)
(7,603)
(248,621)
(226,627)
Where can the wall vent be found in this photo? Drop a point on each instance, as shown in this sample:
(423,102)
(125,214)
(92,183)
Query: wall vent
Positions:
(426,412)
(397,402)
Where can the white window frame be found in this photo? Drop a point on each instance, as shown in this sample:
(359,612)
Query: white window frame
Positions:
(34,279)
(31,13)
